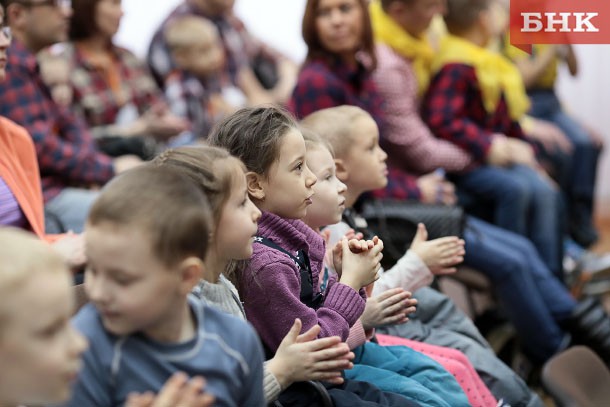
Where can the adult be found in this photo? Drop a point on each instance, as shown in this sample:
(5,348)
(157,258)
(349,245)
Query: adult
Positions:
(67,155)
(263,75)
(113,89)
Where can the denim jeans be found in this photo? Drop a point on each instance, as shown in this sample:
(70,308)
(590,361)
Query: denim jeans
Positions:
(532,297)
(576,172)
(69,210)
(523,202)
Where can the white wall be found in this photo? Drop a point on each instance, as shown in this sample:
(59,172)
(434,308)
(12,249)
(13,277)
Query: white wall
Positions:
(278,22)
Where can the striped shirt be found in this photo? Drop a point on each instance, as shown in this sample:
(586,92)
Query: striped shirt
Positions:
(10,212)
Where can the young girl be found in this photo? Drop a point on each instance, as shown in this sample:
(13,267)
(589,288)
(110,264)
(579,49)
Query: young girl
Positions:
(392,306)
(288,257)
(221,177)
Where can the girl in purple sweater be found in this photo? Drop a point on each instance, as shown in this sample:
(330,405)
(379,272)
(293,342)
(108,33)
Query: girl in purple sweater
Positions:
(279,282)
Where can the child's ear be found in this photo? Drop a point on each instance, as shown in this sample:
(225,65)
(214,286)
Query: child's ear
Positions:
(255,186)
(341,170)
(191,271)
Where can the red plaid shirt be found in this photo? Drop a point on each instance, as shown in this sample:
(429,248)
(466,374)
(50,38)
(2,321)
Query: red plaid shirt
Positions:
(453,109)
(323,84)
(66,152)
(94,98)
(408,141)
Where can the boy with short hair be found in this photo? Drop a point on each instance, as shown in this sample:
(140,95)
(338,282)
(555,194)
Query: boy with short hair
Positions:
(146,241)
(197,88)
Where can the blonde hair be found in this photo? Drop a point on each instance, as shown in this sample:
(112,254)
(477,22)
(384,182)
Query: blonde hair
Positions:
(336,126)
(313,140)
(22,257)
(183,32)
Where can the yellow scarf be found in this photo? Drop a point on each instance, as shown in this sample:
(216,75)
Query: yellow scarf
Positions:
(496,74)
(418,50)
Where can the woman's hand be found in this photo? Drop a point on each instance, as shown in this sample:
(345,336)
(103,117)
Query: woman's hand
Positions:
(440,255)
(389,308)
(304,357)
(177,391)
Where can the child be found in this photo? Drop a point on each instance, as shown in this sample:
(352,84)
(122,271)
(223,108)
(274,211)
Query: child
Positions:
(196,90)
(222,178)
(361,165)
(288,258)
(55,73)
(476,98)
(146,240)
(392,306)
(39,349)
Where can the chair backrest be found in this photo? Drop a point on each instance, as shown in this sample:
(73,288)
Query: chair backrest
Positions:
(577,377)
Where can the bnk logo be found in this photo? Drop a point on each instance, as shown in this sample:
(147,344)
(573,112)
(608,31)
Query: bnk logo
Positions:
(565,22)
(559,22)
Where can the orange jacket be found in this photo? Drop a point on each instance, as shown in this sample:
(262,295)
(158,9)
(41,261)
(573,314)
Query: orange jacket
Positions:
(19,169)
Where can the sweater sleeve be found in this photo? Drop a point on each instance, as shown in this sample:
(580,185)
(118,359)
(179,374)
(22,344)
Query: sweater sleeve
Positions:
(271,296)
(409,273)
(271,387)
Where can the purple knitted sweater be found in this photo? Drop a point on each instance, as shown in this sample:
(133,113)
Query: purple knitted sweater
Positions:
(270,286)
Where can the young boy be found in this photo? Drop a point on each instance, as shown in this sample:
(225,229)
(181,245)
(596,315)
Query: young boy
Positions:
(146,241)
(39,350)
(197,89)
(55,73)
(475,100)
(360,164)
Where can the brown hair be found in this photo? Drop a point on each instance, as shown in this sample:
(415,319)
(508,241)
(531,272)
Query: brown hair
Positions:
(82,22)
(461,15)
(168,205)
(386,3)
(253,135)
(315,49)
(335,125)
(212,169)
(22,256)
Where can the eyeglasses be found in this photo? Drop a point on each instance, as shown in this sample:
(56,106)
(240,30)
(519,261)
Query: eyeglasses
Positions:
(6,31)
(63,4)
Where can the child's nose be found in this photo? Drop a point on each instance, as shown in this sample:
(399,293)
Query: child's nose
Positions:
(310,178)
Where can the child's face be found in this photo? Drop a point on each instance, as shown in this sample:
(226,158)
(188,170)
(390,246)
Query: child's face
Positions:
(288,188)
(132,290)
(202,59)
(237,224)
(329,199)
(365,160)
(56,75)
(38,342)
